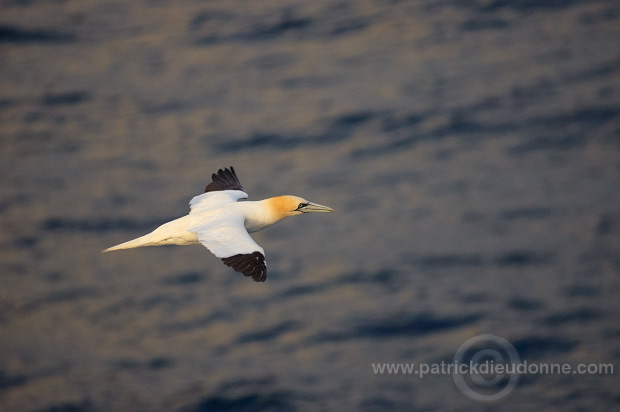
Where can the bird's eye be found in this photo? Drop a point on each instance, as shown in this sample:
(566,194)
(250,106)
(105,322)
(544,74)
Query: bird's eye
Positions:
(301,205)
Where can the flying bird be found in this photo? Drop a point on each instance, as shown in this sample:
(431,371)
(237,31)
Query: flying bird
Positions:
(223,225)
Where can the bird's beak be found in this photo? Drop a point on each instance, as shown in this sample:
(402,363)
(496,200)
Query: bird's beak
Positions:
(313,207)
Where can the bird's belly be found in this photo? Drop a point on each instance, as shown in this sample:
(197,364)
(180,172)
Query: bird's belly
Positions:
(181,239)
(188,238)
(174,233)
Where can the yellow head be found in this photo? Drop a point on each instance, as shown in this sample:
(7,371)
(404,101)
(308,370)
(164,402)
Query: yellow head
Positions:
(284,206)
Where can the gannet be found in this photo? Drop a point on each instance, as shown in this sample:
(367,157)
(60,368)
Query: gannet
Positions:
(223,225)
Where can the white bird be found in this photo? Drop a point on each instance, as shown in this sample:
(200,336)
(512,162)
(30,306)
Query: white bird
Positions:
(223,225)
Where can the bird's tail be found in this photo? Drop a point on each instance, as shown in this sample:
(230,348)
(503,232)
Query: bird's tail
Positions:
(167,234)
(129,244)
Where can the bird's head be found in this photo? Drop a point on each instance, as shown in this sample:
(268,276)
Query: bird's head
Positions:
(295,205)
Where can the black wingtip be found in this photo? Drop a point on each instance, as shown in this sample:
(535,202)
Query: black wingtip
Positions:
(224,179)
(250,264)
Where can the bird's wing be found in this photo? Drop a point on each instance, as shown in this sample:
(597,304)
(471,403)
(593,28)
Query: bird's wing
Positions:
(227,239)
(224,180)
(211,200)
(224,188)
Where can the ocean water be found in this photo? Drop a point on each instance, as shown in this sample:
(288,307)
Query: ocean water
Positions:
(471,150)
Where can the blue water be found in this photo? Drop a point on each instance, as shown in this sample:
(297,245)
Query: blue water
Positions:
(470,150)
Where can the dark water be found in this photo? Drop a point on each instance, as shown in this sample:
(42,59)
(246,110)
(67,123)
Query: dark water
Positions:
(470,148)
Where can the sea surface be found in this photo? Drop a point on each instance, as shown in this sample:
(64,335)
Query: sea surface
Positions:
(471,150)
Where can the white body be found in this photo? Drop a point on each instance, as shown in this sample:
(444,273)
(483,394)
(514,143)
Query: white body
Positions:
(218,215)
